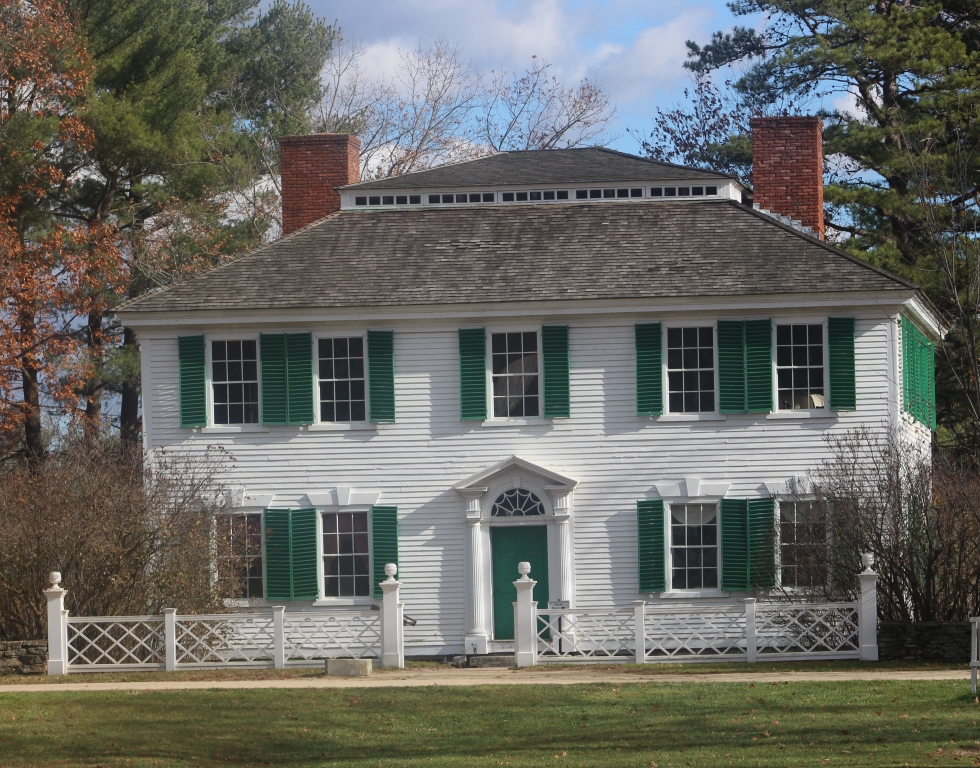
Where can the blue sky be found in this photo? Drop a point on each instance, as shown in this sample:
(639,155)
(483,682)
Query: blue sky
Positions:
(633,49)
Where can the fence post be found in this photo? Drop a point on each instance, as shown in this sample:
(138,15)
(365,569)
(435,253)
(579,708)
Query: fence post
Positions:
(57,626)
(974,652)
(525,619)
(279,636)
(751,642)
(170,638)
(640,630)
(392,621)
(868,610)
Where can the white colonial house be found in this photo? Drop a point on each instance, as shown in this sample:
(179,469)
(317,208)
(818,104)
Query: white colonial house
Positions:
(602,365)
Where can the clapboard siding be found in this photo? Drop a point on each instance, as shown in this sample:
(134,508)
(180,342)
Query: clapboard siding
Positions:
(615,455)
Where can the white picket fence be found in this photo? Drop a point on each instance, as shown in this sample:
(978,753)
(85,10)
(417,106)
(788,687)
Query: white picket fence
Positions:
(686,633)
(273,638)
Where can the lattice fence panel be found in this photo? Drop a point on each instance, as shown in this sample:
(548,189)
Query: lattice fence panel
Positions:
(341,635)
(130,641)
(807,629)
(235,638)
(703,633)
(579,635)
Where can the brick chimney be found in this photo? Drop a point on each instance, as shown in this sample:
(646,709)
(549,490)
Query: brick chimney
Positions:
(312,167)
(787,168)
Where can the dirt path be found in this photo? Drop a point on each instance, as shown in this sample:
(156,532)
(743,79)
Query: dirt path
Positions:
(423,677)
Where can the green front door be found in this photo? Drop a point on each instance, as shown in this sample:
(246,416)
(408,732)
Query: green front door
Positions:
(510,546)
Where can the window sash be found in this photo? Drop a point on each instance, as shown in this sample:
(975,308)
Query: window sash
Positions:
(694,547)
(342,397)
(793,373)
(233,381)
(704,375)
(345,550)
(514,392)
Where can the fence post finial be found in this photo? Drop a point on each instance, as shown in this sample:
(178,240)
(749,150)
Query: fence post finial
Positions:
(868,610)
(525,620)
(392,621)
(57,626)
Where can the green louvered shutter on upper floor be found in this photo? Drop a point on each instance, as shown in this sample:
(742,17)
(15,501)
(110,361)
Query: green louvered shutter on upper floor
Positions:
(761,540)
(275,395)
(734,545)
(291,555)
(276,563)
(472,374)
(731,366)
(193,381)
(384,542)
(840,345)
(554,349)
(918,374)
(758,366)
(381,375)
(299,378)
(649,374)
(303,551)
(651,546)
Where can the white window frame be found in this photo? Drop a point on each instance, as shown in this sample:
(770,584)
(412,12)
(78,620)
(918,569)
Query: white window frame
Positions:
(669,415)
(801,412)
(492,418)
(779,543)
(209,340)
(339,426)
(322,598)
(679,592)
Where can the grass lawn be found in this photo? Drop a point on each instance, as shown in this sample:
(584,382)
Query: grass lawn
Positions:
(672,724)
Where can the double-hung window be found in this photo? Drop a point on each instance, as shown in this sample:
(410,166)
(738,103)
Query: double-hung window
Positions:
(515,374)
(240,553)
(803,544)
(691,370)
(346,554)
(341,379)
(235,382)
(800,367)
(693,546)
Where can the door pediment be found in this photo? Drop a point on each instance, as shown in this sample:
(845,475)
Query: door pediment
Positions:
(515,466)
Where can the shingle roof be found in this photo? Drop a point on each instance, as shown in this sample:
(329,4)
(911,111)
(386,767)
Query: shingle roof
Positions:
(568,166)
(608,250)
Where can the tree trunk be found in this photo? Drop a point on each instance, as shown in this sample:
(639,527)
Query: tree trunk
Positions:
(33,439)
(129,418)
(93,388)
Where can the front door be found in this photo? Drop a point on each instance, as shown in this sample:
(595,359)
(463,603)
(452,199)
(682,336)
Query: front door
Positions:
(509,546)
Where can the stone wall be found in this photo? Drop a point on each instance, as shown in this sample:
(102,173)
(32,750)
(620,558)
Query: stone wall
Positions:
(924,641)
(24,657)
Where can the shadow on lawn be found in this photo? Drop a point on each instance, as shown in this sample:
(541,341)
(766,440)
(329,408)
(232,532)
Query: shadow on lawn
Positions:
(769,724)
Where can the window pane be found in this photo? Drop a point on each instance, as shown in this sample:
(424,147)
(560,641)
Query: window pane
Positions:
(346,554)
(694,546)
(799,366)
(514,374)
(341,371)
(803,544)
(239,553)
(234,381)
(690,370)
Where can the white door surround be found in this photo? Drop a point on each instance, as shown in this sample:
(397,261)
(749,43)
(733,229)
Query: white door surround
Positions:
(479,492)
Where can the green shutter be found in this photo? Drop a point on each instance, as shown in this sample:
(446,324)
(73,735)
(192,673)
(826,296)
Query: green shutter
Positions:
(840,344)
(734,545)
(303,551)
(761,519)
(650,549)
(275,398)
(731,366)
(384,542)
(554,349)
(299,378)
(381,375)
(649,374)
(291,554)
(918,374)
(472,374)
(193,381)
(758,366)
(278,571)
